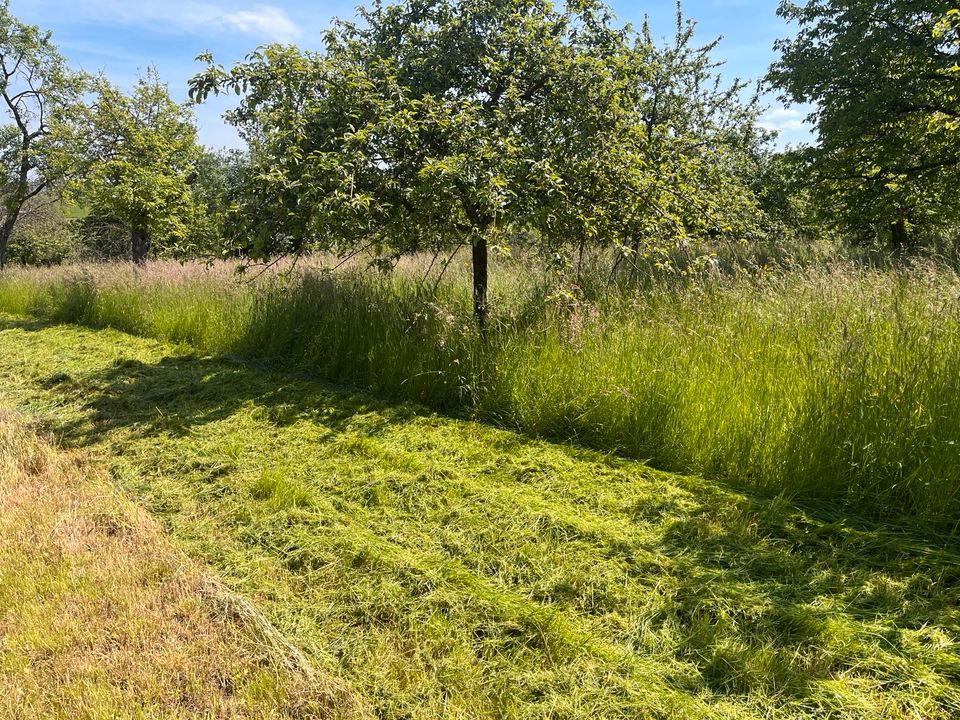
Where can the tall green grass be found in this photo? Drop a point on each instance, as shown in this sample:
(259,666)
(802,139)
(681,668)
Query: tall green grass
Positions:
(840,384)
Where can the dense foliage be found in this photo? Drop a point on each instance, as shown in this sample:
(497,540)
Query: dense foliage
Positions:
(882,75)
(496,125)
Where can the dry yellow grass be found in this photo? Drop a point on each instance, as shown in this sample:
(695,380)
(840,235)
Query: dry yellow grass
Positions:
(101,617)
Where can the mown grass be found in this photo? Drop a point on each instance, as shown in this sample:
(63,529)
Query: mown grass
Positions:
(443,568)
(839,384)
(103,618)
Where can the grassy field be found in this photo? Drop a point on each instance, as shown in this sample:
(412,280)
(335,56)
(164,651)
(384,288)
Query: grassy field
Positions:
(435,567)
(103,618)
(836,384)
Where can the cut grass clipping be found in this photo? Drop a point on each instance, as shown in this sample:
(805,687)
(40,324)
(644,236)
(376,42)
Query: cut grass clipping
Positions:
(102,618)
(441,568)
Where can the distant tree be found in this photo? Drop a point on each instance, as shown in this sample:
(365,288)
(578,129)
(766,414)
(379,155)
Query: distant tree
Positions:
(140,155)
(703,145)
(882,76)
(217,186)
(42,234)
(39,97)
(794,222)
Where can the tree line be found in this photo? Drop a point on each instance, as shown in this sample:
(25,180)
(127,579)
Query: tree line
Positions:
(437,125)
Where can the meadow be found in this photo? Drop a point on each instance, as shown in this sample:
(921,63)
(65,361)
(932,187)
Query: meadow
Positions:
(838,384)
(433,567)
(508,363)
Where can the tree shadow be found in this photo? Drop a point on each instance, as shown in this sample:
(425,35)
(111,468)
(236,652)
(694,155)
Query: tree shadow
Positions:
(181,393)
(26,324)
(811,593)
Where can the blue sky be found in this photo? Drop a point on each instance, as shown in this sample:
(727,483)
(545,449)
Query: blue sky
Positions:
(121,37)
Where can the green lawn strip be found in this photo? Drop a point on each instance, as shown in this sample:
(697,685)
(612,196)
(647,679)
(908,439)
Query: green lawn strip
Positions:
(444,567)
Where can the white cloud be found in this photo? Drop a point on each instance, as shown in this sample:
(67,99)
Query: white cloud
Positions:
(781,119)
(263,22)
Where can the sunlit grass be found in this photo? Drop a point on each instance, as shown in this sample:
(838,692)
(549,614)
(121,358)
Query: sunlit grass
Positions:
(104,618)
(442,568)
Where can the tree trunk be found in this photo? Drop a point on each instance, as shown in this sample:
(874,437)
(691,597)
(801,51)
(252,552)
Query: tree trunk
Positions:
(635,266)
(899,239)
(139,245)
(6,230)
(480,282)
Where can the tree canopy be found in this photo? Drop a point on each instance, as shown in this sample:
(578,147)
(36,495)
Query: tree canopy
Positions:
(433,124)
(882,76)
(703,144)
(140,153)
(437,124)
(39,96)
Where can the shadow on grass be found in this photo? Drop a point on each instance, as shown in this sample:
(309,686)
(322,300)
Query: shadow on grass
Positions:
(823,581)
(26,324)
(180,393)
